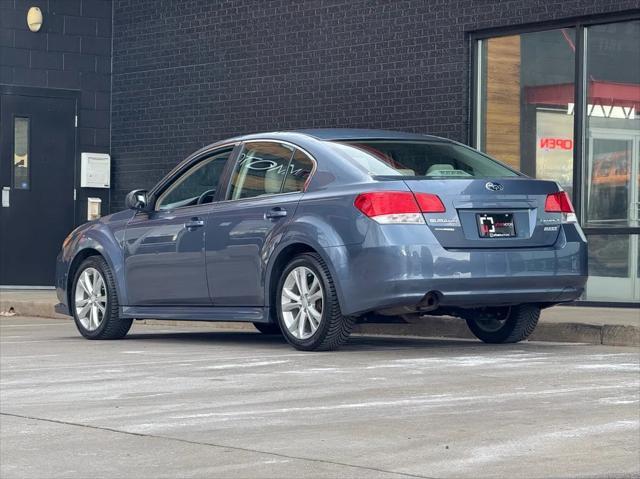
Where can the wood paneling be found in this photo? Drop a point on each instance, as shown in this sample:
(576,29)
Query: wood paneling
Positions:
(503,99)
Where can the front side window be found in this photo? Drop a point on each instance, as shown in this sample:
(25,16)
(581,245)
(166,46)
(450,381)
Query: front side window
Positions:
(437,160)
(197,186)
(260,170)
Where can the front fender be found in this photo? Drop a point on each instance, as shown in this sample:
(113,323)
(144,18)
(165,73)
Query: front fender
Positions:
(100,237)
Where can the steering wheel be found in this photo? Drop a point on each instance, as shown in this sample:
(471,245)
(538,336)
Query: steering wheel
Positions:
(203,197)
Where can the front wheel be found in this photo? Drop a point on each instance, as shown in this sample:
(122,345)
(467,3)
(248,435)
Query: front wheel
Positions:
(307,305)
(94,302)
(504,325)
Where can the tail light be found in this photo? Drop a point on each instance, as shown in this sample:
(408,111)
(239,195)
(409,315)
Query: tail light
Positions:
(561,203)
(398,207)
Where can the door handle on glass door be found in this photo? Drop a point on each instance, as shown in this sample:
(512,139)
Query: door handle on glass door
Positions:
(275,213)
(194,223)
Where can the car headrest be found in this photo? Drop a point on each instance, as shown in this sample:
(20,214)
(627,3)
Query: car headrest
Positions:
(438,167)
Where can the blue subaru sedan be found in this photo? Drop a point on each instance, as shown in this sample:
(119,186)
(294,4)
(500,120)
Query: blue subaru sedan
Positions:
(304,233)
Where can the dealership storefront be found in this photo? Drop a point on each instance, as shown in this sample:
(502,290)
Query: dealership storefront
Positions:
(564,104)
(551,89)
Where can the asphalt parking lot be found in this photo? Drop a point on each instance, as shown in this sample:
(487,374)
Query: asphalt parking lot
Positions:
(167,402)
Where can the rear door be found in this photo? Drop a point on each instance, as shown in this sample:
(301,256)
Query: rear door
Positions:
(485,213)
(265,187)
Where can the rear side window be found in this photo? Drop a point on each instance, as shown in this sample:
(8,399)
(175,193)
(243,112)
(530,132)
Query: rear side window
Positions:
(267,168)
(438,160)
(298,172)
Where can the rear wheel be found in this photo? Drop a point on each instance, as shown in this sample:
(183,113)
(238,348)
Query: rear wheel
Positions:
(307,305)
(504,325)
(94,302)
(268,328)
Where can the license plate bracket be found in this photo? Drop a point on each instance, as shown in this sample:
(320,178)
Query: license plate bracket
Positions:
(496,225)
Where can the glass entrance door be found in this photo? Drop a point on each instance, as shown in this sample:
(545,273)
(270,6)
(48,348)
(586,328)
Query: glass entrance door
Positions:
(612,201)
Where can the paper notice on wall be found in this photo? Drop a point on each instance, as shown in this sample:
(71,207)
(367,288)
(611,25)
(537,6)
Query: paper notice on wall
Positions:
(95,170)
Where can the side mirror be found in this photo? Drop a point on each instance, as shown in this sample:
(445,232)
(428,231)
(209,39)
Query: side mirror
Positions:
(136,200)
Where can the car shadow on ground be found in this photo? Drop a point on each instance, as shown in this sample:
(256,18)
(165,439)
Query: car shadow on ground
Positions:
(356,342)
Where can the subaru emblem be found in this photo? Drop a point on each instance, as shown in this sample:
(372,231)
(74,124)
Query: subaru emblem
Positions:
(494,186)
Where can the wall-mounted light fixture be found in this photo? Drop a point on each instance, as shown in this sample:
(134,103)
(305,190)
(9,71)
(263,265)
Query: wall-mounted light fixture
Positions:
(34,19)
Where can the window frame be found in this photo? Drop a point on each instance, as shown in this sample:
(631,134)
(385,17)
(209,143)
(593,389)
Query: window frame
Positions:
(474,100)
(231,168)
(187,168)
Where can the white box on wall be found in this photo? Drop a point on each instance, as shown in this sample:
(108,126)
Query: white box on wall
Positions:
(95,170)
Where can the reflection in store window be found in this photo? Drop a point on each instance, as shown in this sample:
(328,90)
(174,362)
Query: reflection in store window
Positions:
(527,94)
(612,170)
(608,195)
(609,256)
(614,269)
(21,153)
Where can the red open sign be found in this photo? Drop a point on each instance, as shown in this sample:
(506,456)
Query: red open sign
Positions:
(556,143)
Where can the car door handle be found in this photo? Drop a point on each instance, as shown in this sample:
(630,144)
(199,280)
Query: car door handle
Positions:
(275,213)
(194,223)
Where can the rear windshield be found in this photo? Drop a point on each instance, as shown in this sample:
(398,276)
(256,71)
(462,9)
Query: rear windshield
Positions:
(439,160)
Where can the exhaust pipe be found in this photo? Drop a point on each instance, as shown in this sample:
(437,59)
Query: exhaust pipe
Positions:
(429,302)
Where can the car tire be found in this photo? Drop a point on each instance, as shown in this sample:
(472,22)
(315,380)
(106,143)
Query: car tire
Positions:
(268,328)
(332,329)
(504,325)
(94,285)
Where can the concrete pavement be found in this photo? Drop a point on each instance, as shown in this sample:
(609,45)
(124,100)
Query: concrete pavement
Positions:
(223,403)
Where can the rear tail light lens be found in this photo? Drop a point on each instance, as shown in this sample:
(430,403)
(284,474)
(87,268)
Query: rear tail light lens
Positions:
(398,207)
(430,203)
(561,203)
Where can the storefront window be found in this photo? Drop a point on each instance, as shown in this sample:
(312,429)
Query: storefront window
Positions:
(525,116)
(526,102)
(612,126)
(614,273)
(611,168)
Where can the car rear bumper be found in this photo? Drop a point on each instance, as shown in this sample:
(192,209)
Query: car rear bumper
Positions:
(386,273)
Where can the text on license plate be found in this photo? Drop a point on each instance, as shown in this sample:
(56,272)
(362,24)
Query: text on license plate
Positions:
(496,225)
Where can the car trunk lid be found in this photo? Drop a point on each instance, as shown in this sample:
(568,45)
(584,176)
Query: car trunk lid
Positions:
(491,213)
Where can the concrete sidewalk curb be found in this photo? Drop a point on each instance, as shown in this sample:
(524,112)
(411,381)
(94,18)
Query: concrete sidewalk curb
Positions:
(549,331)
(41,309)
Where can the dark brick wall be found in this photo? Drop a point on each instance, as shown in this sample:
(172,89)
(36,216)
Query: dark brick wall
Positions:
(71,51)
(187,73)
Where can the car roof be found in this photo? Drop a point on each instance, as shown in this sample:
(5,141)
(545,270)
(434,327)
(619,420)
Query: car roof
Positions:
(339,134)
(364,134)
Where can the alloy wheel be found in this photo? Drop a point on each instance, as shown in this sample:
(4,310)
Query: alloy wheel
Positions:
(494,320)
(302,302)
(90,299)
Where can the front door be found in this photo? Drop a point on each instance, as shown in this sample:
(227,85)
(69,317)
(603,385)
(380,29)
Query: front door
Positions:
(613,202)
(37,158)
(164,248)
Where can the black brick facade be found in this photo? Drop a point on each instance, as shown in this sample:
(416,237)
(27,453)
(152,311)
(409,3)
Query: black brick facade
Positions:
(72,51)
(187,73)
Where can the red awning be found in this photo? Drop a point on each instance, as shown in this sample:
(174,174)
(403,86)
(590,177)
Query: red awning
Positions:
(600,93)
